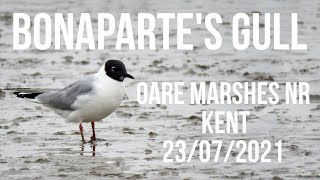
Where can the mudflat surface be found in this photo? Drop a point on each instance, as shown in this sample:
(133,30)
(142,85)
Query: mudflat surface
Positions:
(38,144)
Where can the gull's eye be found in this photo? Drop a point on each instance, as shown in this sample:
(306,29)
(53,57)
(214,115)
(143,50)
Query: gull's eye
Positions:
(113,69)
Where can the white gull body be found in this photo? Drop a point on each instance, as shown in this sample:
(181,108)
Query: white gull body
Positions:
(99,97)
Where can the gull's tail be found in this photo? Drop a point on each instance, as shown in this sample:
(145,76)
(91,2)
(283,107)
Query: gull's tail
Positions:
(27,95)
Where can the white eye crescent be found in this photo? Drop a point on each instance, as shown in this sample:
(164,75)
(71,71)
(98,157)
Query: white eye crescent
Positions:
(113,68)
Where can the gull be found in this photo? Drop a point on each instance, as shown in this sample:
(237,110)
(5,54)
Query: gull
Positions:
(90,99)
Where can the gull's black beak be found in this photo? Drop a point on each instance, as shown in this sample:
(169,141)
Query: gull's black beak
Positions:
(128,76)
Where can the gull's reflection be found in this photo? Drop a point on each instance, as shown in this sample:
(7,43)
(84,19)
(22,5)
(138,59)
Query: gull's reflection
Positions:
(82,148)
(92,148)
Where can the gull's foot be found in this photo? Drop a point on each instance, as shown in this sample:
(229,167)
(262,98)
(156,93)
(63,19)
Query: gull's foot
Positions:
(92,139)
(97,139)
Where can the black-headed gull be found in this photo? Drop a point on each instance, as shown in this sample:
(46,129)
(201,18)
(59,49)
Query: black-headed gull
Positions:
(90,99)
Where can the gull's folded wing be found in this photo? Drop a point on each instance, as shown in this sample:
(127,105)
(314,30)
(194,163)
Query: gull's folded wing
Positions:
(65,98)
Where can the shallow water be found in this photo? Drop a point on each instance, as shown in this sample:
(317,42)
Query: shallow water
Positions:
(38,144)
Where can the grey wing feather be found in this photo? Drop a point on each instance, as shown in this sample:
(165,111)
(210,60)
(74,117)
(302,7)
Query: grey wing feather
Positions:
(64,98)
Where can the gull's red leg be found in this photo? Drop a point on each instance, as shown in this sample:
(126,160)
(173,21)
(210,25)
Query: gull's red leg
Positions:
(93,133)
(81,132)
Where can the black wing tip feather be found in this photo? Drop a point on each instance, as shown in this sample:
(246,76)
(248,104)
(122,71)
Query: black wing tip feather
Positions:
(27,95)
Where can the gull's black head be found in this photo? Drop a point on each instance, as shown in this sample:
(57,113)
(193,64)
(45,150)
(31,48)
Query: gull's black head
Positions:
(116,70)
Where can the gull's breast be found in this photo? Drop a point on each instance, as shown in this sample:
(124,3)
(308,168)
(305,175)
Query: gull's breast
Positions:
(100,103)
